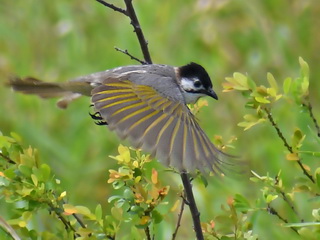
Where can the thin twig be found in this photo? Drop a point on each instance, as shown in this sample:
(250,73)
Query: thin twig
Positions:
(273,211)
(8,229)
(192,205)
(174,235)
(9,160)
(137,29)
(315,122)
(284,140)
(130,12)
(130,55)
(65,222)
(274,124)
(77,218)
(285,198)
(113,7)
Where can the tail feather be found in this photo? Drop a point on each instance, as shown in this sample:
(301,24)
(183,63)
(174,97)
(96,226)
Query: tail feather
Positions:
(31,85)
(68,91)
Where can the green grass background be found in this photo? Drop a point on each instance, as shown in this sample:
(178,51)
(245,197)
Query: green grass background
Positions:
(58,40)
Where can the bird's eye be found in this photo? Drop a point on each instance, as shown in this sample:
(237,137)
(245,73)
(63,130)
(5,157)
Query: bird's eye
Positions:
(197,84)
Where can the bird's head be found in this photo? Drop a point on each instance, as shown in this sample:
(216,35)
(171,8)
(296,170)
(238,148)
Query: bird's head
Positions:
(195,82)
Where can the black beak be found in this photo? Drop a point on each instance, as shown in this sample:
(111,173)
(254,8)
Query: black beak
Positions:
(212,94)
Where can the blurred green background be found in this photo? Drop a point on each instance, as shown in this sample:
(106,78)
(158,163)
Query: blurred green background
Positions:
(61,39)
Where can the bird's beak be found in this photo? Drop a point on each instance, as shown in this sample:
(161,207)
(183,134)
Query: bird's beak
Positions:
(212,94)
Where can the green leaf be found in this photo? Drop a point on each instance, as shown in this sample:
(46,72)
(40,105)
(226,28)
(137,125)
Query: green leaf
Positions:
(156,216)
(45,172)
(118,184)
(136,209)
(304,67)
(297,139)
(304,77)
(287,85)
(25,170)
(241,78)
(317,174)
(16,137)
(272,81)
(241,203)
(272,92)
(4,181)
(262,100)
(252,85)
(238,82)
(270,198)
(120,203)
(305,86)
(250,121)
(115,197)
(98,212)
(34,179)
(316,214)
(10,173)
(117,213)
(203,180)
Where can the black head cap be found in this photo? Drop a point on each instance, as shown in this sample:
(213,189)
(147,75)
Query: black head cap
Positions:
(195,70)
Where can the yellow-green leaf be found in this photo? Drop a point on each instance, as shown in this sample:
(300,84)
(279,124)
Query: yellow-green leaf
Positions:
(292,157)
(304,67)
(154,176)
(272,92)
(240,78)
(297,139)
(305,86)
(98,212)
(287,85)
(272,81)
(270,198)
(262,100)
(34,179)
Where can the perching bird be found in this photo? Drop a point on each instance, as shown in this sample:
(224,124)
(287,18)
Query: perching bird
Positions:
(148,105)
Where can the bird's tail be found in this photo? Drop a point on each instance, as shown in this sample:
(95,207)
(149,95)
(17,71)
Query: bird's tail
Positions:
(34,86)
(66,91)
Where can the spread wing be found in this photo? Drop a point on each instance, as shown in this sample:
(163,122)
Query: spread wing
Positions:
(160,126)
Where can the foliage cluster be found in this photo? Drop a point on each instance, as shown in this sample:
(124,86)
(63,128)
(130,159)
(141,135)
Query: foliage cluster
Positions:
(140,202)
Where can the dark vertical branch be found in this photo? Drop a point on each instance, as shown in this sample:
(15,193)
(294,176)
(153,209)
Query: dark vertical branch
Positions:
(192,205)
(137,29)
(130,13)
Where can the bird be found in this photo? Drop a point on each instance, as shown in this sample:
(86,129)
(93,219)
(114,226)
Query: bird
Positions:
(148,105)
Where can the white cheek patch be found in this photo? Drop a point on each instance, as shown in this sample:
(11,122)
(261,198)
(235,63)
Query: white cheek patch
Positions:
(187,84)
(189,95)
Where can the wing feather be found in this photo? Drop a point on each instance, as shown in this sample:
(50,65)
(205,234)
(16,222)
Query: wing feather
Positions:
(161,126)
